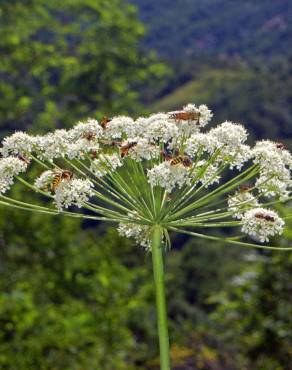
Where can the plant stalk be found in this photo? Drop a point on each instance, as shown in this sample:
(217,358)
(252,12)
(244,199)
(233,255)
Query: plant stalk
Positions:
(158,272)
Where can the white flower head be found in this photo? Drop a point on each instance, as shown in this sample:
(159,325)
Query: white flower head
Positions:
(199,141)
(73,192)
(10,167)
(90,130)
(18,143)
(230,134)
(239,202)
(143,149)
(159,127)
(169,176)
(205,114)
(46,178)
(120,126)
(261,223)
(105,163)
(206,174)
(140,233)
(272,158)
(53,145)
(80,148)
(272,185)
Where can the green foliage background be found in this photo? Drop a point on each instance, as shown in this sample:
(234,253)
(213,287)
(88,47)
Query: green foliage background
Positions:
(75,296)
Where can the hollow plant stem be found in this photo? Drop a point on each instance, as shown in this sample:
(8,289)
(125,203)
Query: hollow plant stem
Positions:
(158,272)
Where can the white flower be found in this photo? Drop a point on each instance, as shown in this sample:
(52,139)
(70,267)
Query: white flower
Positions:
(205,114)
(169,176)
(230,134)
(18,143)
(159,127)
(235,157)
(271,185)
(53,145)
(90,130)
(270,157)
(206,174)
(119,126)
(44,179)
(73,192)
(140,233)
(261,223)
(105,163)
(144,150)
(200,141)
(10,167)
(80,147)
(240,202)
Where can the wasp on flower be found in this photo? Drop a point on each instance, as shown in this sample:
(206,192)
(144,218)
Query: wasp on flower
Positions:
(152,176)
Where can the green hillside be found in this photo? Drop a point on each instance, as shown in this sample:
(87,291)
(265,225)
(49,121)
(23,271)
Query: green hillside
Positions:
(257,97)
(185,28)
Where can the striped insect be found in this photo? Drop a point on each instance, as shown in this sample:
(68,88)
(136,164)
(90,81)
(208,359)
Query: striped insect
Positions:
(124,149)
(59,176)
(244,188)
(262,216)
(280,146)
(104,122)
(185,160)
(181,115)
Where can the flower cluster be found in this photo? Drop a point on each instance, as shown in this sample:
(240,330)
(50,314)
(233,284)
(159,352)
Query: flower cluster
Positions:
(10,167)
(140,233)
(261,223)
(74,192)
(161,168)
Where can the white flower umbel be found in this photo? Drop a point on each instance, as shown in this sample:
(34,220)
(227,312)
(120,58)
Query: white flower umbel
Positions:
(199,141)
(203,111)
(241,201)
(19,143)
(140,233)
(10,167)
(143,149)
(73,192)
(45,179)
(90,130)
(165,169)
(53,145)
(168,177)
(159,127)
(152,176)
(261,223)
(105,163)
(119,127)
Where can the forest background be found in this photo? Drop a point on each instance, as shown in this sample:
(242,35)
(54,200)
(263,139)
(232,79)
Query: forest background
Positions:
(75,296)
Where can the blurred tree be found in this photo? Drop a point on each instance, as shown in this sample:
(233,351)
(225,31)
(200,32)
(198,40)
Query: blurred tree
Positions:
(67,60)
(254,314)
(67,296)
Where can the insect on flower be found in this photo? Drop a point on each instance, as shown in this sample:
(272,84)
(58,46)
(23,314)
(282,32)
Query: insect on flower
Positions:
(185,160)
(23,159)
(265,217)
(280,146)
(90,136)
(244,188)
(184,115)
(104,122)
(59,176)
(124,150)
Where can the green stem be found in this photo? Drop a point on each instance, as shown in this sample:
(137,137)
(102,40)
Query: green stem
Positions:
(157,260)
